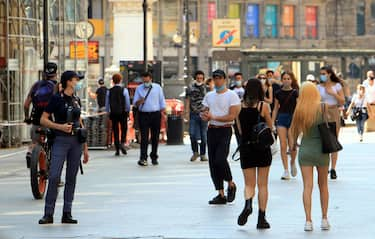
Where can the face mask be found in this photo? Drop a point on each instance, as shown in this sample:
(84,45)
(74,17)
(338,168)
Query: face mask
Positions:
(219,88)
(238,83)
(198,83)
(263,81)
(78,86)
(323,78)
(147,84)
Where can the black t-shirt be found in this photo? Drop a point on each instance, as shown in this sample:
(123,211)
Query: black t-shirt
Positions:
(287,100)
(275,88)
(58,107)
(101,94)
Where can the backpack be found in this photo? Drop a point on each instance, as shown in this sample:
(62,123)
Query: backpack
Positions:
(261,136)
(42,94)
(40,97)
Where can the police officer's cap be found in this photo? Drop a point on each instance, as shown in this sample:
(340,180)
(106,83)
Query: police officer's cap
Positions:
(68,75)
(51,69)
(218,73)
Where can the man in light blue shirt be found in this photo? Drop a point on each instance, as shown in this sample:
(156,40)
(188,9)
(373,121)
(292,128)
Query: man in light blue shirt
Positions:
(118,106)
(150,101)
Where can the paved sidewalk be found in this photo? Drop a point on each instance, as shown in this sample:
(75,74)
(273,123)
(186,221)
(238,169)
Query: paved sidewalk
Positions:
(118,199)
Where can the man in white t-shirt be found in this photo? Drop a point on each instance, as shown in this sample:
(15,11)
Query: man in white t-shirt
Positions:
(222,107)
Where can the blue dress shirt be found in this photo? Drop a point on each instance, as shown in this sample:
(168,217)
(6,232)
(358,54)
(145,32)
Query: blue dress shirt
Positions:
(155,100)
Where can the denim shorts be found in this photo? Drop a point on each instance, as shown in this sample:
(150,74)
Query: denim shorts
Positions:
(284,120)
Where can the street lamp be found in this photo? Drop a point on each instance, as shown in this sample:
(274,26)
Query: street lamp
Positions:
(45,34)
(187,72)
(144,5)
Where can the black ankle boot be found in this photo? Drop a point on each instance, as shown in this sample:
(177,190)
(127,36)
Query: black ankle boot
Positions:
(262,222)
(248,209)
(46,219)
(67,218)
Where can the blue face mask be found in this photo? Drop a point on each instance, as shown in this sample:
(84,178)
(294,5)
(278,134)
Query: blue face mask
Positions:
(323,78)
(219,88)
(238,83)
(78,86)
(147,84)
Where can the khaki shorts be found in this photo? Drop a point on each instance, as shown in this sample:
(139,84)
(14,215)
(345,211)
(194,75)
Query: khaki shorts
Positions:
(333,114)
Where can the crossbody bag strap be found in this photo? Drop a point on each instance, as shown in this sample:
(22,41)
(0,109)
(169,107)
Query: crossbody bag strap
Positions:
(147,94)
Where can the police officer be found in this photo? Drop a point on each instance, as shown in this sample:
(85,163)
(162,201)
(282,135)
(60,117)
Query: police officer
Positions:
(65,107)
(149,99)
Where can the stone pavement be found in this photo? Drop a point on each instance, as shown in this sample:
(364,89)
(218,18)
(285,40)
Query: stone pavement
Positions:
(118,199)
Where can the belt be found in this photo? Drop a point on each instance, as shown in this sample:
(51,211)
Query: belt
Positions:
(211,126)
(152,112)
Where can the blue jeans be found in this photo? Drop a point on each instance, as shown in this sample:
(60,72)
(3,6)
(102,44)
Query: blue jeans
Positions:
(64,148)
(198,131)
(360,122)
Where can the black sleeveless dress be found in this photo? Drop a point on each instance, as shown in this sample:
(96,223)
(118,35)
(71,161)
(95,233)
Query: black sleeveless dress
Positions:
(251,157)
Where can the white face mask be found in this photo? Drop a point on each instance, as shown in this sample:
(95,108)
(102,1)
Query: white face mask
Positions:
(263,81)
(198,83)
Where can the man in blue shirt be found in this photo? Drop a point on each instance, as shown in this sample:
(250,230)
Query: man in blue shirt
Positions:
(150,101)
(118,107)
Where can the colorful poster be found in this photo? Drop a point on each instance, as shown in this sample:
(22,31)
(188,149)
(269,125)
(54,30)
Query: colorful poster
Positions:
(288,21)
(311,22)
(226,33)
(271,21)
(211,15)
(252,21)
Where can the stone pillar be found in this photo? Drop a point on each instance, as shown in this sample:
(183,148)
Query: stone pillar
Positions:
(128,30)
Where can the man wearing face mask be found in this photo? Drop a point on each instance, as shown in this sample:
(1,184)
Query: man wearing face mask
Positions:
(65,107)
(197,127)
(238,87)
(150,101)
(222,108)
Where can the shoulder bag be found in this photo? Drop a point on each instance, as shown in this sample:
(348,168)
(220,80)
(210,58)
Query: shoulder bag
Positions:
(327,130)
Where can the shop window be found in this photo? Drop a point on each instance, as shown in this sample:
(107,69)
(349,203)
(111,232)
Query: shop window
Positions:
(373,10)
(271,21)
(252,21)
(193,7)
(311,22)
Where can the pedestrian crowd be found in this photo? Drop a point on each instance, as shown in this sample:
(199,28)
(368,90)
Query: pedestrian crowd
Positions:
(260,110)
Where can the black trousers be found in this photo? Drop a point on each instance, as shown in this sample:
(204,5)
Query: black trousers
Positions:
(119,120)
(149,121)
(218,140)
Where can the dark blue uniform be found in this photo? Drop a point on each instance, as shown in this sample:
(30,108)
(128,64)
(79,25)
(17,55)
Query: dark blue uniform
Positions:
(66,147)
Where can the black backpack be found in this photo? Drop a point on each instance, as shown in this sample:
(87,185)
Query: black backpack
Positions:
(261,136)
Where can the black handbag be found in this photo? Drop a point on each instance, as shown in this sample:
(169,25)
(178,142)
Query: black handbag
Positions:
(82,135)
(328,135)
(355,113)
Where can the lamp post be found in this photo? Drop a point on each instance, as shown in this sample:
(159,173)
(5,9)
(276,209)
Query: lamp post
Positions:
(45,34)
(144,5)
(187,72)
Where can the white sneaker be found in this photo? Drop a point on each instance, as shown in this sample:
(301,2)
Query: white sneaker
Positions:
(293,170)
(325,225)
(286,175)
(308,227)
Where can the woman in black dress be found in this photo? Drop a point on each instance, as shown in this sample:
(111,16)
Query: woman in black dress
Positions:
(255,164)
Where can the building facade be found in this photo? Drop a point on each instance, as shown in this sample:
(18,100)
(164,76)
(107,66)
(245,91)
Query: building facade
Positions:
(268,24)
(21,53)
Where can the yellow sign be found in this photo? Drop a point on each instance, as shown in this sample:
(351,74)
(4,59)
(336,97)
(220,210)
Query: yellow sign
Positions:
(226,33)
